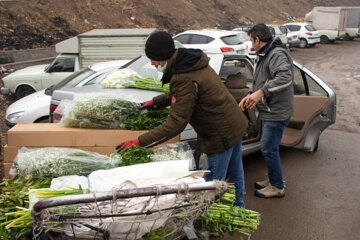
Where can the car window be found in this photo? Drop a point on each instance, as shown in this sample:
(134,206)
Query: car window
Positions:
(243,36)
(144,68)
(200,39)
(305,85)
(299,85)
(184,39)
(293,28)
(235,67)
(98,79)
(74,79)
(314,88)
(63,65)
(283,29)
(310,28)
(232,39)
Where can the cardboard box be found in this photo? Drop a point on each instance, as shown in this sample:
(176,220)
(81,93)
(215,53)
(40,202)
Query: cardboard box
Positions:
(53,134)
(6,168)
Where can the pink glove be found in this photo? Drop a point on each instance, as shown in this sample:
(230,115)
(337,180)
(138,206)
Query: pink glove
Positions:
(122,146)
(147,104)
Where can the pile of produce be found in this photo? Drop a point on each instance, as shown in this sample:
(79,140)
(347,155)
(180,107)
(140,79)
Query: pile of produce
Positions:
(147,120)
(222,217)
(127,78)
(56,162)
(107,111)
(14,200)
(98,111)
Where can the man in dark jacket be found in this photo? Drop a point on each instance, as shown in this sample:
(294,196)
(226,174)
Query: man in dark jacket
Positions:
(272,93)
(197,96)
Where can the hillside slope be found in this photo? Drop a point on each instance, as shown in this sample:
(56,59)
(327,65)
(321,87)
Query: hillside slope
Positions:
(41,23)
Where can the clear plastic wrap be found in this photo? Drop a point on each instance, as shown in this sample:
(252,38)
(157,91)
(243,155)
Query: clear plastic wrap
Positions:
(98,110)
(121,78)
(174,151)
(127,78)
(55,162)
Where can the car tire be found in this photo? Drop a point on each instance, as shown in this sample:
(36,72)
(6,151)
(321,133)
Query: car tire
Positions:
(43,120)
(303,43)
(316,146)
(324,39)
(23,91)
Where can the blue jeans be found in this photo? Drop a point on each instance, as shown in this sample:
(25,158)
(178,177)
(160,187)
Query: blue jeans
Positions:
(231,160)
(272,132)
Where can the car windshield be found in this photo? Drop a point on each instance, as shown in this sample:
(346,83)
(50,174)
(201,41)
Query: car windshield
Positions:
(310,28)
(232,39)
(143,67)
(74,79)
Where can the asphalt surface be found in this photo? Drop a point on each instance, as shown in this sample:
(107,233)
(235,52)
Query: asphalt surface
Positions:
(323,188)
(322,191)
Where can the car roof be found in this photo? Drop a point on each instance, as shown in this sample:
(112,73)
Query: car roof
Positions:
(111,64)
(211,32)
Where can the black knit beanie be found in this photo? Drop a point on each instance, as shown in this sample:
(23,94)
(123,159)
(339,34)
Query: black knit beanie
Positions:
(159,46)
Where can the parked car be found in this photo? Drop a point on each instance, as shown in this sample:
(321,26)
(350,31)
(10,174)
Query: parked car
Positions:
(212,41)
(292,39)
(278,33)
(307,34)
(315,102)
(246,40)
(35,107)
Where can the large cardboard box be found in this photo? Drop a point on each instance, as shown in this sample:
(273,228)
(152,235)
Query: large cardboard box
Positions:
(6,169)
(53,134)
(35,135)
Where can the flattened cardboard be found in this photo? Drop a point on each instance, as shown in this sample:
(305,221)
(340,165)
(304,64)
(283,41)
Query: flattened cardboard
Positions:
(53,134)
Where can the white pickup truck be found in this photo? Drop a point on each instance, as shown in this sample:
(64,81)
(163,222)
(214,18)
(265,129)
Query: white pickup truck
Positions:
(98,45)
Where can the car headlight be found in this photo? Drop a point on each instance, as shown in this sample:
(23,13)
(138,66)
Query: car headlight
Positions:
(13,116)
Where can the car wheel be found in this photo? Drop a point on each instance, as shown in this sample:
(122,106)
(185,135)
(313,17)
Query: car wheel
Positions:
(23,91)
(303,43)
(43,120)
(324,39)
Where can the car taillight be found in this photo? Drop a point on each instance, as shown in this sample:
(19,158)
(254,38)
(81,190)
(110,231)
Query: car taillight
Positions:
(52,108)
(289,38)
(252,49)
(308,33)
(226,49)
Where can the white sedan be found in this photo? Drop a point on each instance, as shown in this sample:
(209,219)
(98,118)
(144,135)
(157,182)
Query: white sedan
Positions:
(34,108)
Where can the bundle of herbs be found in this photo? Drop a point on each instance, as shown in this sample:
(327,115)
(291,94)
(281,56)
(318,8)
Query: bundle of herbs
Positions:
(222,217)
(147,119)
(55,162)
(14,203)
(98,111)
(133,155)
(127,78)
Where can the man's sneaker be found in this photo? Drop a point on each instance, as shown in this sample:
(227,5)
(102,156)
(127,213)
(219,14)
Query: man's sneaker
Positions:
(262,184)
(270,192)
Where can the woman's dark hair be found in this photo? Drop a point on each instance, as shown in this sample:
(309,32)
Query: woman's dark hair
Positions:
(261,31)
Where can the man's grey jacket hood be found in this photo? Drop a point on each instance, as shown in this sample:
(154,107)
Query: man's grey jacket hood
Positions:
(274,75)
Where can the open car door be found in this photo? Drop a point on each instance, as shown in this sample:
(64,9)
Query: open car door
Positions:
(314,110)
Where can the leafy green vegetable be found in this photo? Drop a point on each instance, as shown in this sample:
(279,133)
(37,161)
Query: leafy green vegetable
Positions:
(147,120)
(134,155)
(55,162)
(127,78)
(222,217)
(14,195)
